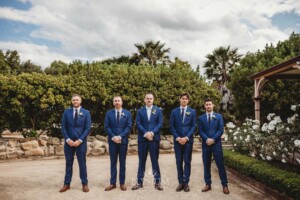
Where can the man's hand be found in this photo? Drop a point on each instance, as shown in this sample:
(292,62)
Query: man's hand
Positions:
(116,139)
(149,136)
(182,140)
(210,141)
(70,143)
(76,143)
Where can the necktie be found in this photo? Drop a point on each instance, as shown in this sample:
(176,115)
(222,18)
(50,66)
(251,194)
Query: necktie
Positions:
(76,115)
(209,118)
(182,114)
(118,116)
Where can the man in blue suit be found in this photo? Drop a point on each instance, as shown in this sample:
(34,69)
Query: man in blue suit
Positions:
(211,128)
(75,125)
(117,125)
(183,123)
(149,120)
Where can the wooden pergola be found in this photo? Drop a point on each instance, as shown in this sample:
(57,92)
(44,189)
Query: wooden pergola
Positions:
(287,70)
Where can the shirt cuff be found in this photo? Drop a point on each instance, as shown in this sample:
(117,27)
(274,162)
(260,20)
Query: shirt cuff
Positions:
(152,133)
(177,138)
(187,138)
(120,137)
(67,140)
(80,140)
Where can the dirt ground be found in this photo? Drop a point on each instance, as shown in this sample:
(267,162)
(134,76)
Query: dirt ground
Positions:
(42,179)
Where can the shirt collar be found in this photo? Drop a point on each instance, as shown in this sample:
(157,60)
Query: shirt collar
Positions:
(149,108)
(118,110)
(77,108)
(185,108)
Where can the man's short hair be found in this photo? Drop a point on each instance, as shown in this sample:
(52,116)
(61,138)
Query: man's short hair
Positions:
(207,100)
(184,94)
(76,95)
(149,93)
(117,97)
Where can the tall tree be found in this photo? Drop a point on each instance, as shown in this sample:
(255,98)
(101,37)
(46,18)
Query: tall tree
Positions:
(218,68)
(152,53)
(29,67)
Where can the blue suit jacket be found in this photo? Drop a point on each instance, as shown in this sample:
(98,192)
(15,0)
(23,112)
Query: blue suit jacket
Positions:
(154,125)
(112,128)
(184,128)
(78,130)
(214,131)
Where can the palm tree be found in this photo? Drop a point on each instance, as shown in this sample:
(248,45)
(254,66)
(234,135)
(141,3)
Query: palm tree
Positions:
(221,63)
(219,66)
(152,52)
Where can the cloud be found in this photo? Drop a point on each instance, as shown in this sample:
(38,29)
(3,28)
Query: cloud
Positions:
(98,29)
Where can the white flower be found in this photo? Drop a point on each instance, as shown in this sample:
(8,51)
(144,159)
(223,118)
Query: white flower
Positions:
(298,160)
(271,125)
(293,107)
(285,149)
(245,130)
(230,125)
(226,137)
(234,145)
(297,143)
(256,122)
(270,116)
(253,154)
(255,127)
(241,138)
(283,160)
(264,128)
(234,138)
(269,158)
(274,153)
(283,155)
(244,124)
(236,133)
(247,138)
(287,129)
(277,119)
(281,143)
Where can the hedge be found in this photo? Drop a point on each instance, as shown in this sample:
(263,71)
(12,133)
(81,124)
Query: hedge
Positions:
(283,181)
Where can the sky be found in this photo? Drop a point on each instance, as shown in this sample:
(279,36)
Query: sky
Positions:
(93,30)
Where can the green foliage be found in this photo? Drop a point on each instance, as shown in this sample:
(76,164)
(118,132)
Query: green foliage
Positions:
(37,101)
(10,64)
(277,95)
(281,180)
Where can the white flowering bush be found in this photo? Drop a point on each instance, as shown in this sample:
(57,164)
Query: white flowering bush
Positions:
(275,140)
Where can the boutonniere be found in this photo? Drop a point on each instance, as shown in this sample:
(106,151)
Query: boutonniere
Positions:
(153,111)
(187,113)
(80,114)
(214,116)
(122,114)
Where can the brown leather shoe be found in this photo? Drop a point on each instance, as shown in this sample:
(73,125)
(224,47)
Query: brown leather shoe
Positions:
(158,186)
(111,187)
(123,187)
(186,187)
(64,188)
(85,188)
(225,190)
(137,186)
(179,187)
(206,188)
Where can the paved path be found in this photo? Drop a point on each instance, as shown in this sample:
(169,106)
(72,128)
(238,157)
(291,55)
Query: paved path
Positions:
(41,179)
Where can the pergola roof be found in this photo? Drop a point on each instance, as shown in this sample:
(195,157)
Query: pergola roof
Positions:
(287,70)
